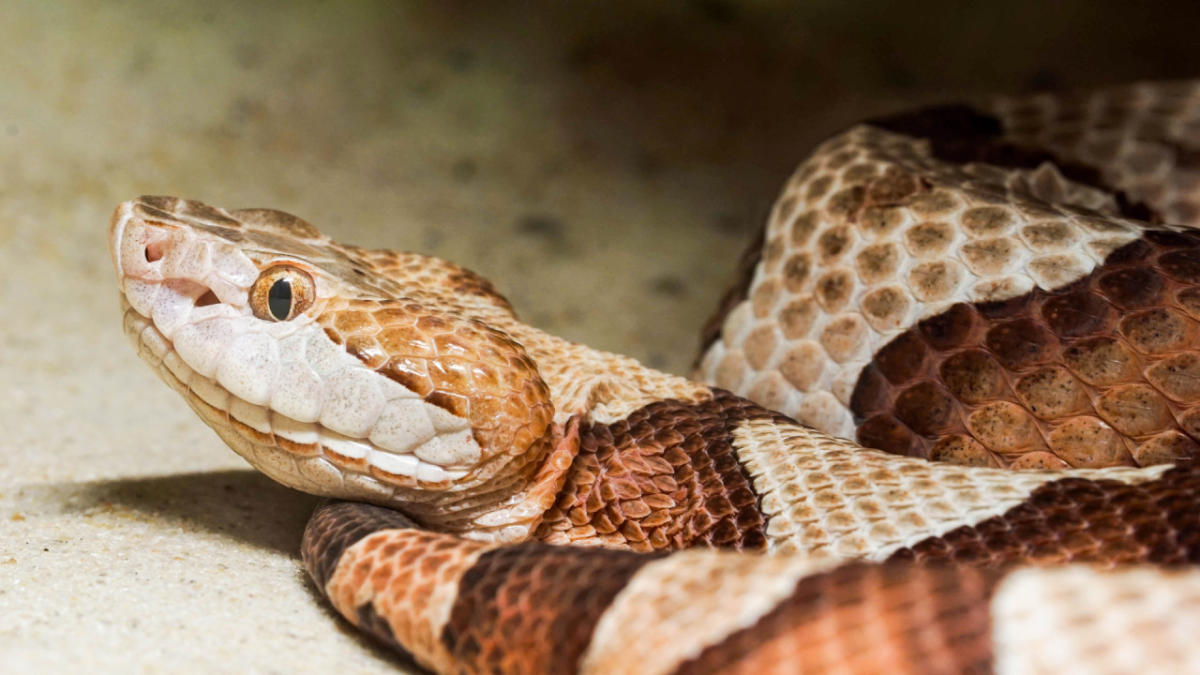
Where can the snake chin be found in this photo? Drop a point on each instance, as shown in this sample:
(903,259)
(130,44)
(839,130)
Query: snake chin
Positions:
(265,437)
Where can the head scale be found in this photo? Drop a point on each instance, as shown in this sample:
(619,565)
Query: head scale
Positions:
(336,370)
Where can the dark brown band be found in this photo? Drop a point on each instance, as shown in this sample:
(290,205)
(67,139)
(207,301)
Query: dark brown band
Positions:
(1026,382)
(862,618)
(532,608)
(1078,520)
(665,477)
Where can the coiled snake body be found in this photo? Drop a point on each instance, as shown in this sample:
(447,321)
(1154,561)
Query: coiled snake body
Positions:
(1005,299)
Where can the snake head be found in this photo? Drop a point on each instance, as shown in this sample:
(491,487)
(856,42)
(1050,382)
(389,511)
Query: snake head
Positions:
(336,370)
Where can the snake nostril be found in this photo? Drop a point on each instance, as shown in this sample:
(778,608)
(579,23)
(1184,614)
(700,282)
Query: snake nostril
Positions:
(209,298)
(154,251)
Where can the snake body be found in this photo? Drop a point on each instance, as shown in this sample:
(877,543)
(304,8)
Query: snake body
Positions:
(977,292)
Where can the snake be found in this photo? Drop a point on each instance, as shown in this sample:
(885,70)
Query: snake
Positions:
(945,421)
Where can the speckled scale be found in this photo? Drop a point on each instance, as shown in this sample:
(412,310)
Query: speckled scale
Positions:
(532,608)
(1088,373)
(666,477)
(1076,520)
(832,622)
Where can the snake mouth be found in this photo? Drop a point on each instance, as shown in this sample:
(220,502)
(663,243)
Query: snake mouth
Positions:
(263,426)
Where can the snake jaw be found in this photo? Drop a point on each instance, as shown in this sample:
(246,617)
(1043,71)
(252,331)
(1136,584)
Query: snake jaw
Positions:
(383,400)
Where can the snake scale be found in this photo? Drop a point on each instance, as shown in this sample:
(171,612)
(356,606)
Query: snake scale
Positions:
(1002,299)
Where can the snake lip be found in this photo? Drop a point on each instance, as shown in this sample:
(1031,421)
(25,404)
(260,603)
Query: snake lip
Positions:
(185,299)
(296,439)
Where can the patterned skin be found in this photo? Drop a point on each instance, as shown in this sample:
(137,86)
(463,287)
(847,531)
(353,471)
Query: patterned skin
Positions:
(408,382)
(987,294)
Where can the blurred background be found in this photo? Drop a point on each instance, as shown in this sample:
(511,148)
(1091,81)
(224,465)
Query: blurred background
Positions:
(603,163)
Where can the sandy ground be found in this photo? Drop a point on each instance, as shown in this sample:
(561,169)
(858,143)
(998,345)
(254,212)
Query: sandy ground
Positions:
(603,168)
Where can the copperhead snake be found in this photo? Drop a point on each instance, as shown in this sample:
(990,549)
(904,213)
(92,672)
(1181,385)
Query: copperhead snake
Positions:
(1003,299)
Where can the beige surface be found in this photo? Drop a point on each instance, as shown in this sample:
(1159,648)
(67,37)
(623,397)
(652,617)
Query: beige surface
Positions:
(603,168)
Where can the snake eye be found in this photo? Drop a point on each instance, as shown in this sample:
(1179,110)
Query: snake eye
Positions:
(281,292)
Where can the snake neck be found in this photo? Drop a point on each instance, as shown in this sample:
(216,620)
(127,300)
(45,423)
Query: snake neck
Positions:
(635,458)
(666,476)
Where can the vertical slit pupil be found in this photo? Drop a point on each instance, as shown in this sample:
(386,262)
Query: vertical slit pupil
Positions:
(279,299)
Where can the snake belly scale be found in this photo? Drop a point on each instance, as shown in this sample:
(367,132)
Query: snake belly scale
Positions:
(969,341)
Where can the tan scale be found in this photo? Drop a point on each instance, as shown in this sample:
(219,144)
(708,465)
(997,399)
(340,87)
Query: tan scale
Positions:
(835,500)
(1099,610)
(667,614)
(414,599)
